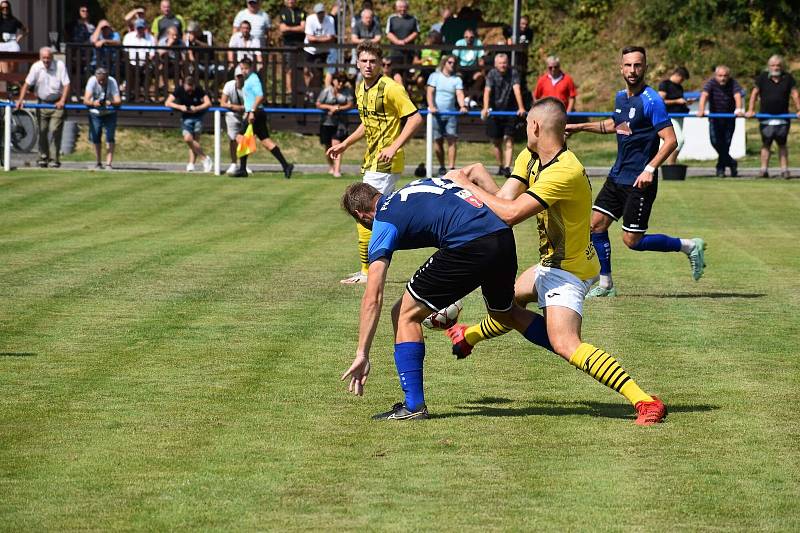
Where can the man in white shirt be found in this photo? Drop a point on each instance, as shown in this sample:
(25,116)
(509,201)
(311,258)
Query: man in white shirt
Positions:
(244,39)
(139,66)
(101,97)
(320,29)
(51,82)
(258,19)
(233,99)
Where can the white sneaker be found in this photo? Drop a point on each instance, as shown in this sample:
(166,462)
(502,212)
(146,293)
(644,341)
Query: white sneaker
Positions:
(354,279)
(232,169)
(208,164)
(190,167)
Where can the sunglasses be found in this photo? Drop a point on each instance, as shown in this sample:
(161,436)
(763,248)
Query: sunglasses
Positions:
(387,63)
(451,62)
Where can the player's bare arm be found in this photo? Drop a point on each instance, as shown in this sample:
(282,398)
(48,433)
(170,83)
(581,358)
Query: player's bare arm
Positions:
(645,179)
(481,177)
(370,313)
(510,211)
(338,149)
(412,123)
(601,126)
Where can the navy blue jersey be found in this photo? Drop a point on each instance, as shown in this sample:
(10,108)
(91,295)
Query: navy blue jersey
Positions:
(429,213)
(637,120)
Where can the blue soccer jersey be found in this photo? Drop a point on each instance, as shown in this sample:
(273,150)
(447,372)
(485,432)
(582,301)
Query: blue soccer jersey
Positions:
(429,213)
(637,120)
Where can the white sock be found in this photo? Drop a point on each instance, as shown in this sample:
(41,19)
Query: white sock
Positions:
(687,245)
(605,281)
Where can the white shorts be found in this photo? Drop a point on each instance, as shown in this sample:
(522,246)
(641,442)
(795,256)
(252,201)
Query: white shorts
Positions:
(233,123)
(382,181)
(558,287)
(9,46)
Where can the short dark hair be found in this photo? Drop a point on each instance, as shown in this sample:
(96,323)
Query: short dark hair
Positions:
(246,61)
(359,197)
(370,48)
(631,49)
(683,72)
(246,22)
(341,76)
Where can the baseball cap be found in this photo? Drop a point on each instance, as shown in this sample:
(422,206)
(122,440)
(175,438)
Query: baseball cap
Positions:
(252,1)
(319,7)
(238,71)
(140,23)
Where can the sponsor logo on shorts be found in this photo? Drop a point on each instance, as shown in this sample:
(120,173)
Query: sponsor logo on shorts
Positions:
(553,294)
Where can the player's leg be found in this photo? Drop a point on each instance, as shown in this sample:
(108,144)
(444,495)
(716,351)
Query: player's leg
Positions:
(635,222)
(261,131)
(608,207)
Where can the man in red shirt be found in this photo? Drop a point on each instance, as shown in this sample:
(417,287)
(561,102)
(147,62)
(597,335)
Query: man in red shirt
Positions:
(556,83)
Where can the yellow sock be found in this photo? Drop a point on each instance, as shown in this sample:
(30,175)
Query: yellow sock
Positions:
(604,368)
(488,328)
(363,246)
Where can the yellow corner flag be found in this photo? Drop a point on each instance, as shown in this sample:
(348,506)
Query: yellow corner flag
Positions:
(247,143)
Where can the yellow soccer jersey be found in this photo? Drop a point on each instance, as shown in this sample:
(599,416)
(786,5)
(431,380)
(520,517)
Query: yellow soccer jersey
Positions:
(563,187)
(382,109)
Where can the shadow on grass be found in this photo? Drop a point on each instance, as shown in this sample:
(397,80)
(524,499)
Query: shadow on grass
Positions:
(485,407)
(17,354)
(746,295)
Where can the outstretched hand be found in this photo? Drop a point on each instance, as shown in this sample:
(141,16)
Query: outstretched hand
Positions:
(336,150)
(358,373)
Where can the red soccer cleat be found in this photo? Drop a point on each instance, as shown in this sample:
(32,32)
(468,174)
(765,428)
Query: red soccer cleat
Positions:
(650,412)
(461,348)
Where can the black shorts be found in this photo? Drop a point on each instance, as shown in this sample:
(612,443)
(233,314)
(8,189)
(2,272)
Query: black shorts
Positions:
(317,59)
(489,262)
(499,127)
(260,128)
(332,133)
(778,133)
(626,201)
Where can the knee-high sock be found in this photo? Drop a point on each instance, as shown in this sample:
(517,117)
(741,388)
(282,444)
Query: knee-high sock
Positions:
(604,368)
(363,246)
(489,328)
(243,163)
(408,358)
(279,156)
(537,333)
(658,242)
(603,248)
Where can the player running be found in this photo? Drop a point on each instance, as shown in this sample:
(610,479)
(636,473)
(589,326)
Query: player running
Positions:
(560,196)
(639,120)
(388,120)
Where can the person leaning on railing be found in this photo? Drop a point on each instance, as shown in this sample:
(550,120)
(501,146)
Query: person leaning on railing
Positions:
(193,102)
(51,81)
(101,96)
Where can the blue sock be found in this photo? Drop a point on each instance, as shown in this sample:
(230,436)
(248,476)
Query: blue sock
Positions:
(408,357)
(537,333)
(603,248)
(658,243)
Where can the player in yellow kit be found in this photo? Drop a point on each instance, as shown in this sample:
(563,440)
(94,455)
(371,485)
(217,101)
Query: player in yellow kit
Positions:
(550,183)
(388,119)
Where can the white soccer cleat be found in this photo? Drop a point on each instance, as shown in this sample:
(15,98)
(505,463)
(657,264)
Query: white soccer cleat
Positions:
(354,279)
(232,169)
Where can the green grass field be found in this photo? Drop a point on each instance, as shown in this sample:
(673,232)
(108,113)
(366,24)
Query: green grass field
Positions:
(170,348)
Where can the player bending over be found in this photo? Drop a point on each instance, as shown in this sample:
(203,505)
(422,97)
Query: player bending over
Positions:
(559,194)
(475,249)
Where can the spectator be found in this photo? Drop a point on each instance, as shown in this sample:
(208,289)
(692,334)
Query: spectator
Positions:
(167,19)
(139,66)
(170,56)
(244,39)
(260,22)
(101,95)
(233,99)
(198,53)
(671,90)
(293,32)
(335,99)
(386,67)
(724,95)
(444,90)
(470,59)
(402,29)
(192,101)
(253,95)
(366,28)
(446,13)
(51,82)
(367,4)
(106,41)
(320,29)
(428,60)
(12,31)
(502,93)
(137,13)
(774,87)
(556,83)
(524,32)
(83,28)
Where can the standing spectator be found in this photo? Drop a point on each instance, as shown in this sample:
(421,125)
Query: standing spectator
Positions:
(444,90)
(671,90)
(233,99)
(556,83)
(259,20)
(335,99)
(50,78)
(502,93)
(253,94)
(320,29)
(201,59)
(366,28)
(101,95)
(170,56)
(83,28)
(167,19)
(366,4)
(139,66)
(244,39)
(524,32)
(192,101)
(446,13)
(106,41)
(293,31)
(12,31)
(724,95)
(471,59)
(402,29)
(775,87)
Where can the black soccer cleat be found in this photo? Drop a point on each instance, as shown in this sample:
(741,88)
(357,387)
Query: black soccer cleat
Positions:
(399,411)
(287,172)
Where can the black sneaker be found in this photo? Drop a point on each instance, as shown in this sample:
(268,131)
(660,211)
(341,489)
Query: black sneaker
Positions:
(241,173)
(507,172)
(442,171)
(399,411)
(42,163)
(720,172)
(735,170)
(500,171)
(287,172)
(764,174)
(55,164)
